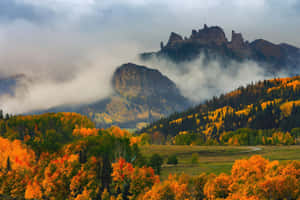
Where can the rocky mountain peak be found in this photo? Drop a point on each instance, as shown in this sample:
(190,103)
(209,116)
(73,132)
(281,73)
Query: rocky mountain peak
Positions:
(141,95)
(214,34)
(268,50)
(237,40)
(139,81)
(211,41)
(173,39)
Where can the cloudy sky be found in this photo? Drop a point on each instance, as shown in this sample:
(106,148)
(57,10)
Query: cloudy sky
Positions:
(71,47)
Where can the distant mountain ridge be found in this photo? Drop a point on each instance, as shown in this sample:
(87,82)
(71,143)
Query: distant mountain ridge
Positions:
(212,42)
(142,95)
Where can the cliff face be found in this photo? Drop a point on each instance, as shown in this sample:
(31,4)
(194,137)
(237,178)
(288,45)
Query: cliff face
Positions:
(141,95)
(174,38)
(138,81)
(212,35)
(212,42)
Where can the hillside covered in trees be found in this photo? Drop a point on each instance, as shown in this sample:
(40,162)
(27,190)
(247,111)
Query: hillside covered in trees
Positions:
(267,112)
(89,163)
(60,156)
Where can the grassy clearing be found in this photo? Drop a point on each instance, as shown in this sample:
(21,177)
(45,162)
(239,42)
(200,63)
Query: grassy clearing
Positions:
(216,159)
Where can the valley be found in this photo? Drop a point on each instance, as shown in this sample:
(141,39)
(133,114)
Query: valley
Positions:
(215,159)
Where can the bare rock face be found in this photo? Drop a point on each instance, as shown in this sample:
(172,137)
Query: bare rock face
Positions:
(213,44)
(237,41)
(268,52)
(173,39)
(139,81)
(209,35)
(238,46)
(141,96)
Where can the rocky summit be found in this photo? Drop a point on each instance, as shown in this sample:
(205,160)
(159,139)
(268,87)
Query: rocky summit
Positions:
(132,80)
(141,95)
(213,43)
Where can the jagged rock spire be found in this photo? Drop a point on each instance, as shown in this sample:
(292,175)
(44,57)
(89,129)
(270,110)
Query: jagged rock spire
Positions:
(174,37)
(237,40)
(209,35)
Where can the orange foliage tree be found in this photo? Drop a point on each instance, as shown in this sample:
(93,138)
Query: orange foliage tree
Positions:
(19,155)
(138,179)
(84,132)
(175,188)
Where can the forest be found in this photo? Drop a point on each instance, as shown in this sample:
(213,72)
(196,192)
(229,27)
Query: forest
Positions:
(149,100)
(107,164)
(266,112)
(64,156)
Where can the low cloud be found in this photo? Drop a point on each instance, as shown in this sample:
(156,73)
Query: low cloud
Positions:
(198,81)
(90,83)
(70,48)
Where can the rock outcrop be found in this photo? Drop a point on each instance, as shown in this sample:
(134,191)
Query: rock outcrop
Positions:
(267,51)
(237,41)
(173,39)
(209,35)
(139,81)
(212,42)
(141,95)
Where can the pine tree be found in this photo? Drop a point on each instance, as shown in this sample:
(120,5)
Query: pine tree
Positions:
(8,164)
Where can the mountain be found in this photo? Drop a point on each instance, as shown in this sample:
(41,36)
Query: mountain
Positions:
(136,81)
(213,44)
(141,95)
(268,109)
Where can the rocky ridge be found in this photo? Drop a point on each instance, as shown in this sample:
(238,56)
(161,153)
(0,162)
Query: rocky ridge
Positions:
(212,42)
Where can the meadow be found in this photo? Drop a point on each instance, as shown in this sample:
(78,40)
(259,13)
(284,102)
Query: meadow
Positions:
(215,159)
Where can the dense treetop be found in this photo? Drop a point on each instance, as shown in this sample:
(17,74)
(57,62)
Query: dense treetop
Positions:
(107,164)
(267,109)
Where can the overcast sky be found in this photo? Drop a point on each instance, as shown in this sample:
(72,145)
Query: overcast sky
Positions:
(275,20)
(74,44)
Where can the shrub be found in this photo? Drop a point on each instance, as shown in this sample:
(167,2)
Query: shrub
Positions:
(172,160)
(156,162)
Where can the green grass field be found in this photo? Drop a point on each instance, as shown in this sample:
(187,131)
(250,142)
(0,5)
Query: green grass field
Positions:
(215,159)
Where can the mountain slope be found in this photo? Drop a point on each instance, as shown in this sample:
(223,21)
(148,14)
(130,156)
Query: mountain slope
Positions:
(270,106)
(213,44)
(141,95)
